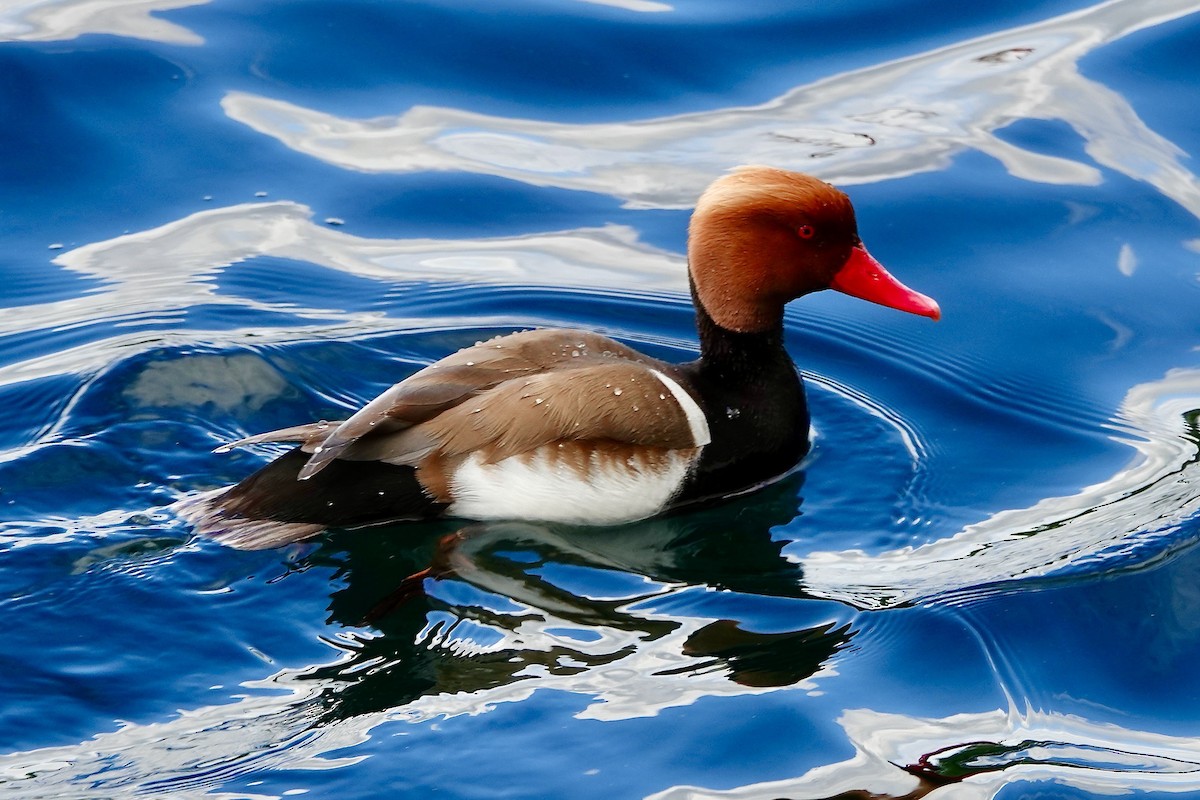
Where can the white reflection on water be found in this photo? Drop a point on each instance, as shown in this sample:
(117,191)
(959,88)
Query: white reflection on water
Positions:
(634,5)
(54,20)
(187,757)
(58,20)
(276,727)
(899,118)
(1108,521)
(156,275)
(1101,758)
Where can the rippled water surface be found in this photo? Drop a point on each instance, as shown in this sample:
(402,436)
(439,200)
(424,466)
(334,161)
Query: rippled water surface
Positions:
(227,217)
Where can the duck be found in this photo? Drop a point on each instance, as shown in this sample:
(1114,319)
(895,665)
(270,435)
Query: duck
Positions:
(571,426)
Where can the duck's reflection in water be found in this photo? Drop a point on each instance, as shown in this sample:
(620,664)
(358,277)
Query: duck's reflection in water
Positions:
(641,617)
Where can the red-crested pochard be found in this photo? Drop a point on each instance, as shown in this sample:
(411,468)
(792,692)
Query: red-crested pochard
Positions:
(571,426)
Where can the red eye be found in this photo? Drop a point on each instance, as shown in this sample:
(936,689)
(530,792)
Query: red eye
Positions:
(806,231)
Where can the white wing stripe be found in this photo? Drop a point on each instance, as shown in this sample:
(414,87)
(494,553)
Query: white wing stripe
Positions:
(697,422)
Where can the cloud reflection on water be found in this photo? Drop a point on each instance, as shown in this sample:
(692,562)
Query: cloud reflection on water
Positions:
(1104,523)
(56,20)
(899,118)
(276,726)
(644,652)
(60,20)
(1042,747)
(648,6)
(152,276)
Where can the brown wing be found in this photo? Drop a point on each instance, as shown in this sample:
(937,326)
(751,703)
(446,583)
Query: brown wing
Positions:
(447,384)
(619,401)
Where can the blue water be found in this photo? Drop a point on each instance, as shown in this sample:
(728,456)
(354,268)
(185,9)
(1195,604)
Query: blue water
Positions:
(228,217)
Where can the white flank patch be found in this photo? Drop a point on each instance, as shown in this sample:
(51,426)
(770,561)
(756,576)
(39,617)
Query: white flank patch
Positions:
(695,415)
(547,489)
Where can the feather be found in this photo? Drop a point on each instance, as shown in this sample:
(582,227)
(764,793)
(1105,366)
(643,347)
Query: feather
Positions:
(308,435)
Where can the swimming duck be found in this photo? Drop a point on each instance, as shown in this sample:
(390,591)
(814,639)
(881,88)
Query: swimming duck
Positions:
(571,426)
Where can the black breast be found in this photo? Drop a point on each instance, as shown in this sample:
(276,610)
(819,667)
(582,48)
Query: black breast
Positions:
(757,415)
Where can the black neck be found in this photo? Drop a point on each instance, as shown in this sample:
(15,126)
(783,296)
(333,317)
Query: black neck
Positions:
(735,356)
(754,400)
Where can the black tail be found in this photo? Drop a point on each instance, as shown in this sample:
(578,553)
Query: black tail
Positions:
(273,507)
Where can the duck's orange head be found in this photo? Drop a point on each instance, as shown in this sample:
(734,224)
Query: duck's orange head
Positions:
(761,237)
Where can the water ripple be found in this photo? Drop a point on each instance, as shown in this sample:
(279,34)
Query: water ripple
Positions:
(874,124)
(176,268)
(979,755)
(1141,505)
(42,21)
